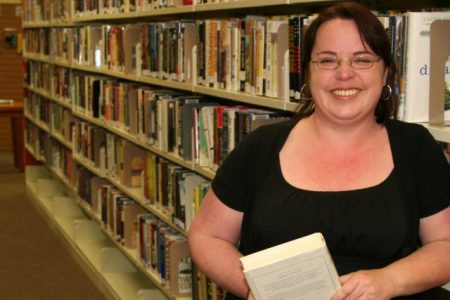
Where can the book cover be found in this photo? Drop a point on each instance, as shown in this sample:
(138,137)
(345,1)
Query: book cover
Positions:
(130,224)
(418,66)
(298,269)
(180,267)
(187,128)
(187,189)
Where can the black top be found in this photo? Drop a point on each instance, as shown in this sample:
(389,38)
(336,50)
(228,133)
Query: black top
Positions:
(364,228)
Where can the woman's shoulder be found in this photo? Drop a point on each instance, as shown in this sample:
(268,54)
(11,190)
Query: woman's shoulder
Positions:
(412,142)
(266,139)
(402,125)
(282,127)
(406,132)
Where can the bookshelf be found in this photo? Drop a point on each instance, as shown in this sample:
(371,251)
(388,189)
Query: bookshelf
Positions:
(66,65)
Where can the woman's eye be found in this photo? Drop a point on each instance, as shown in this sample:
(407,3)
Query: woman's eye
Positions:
(362,60)
(327,60)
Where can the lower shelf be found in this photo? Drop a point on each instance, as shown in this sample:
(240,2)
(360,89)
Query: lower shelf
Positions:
(106,265)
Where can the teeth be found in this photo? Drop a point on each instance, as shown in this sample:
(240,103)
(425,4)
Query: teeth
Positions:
(345,92)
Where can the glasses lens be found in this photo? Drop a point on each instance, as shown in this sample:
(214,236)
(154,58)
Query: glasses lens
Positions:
(358,62)
(327,63)
(361,62)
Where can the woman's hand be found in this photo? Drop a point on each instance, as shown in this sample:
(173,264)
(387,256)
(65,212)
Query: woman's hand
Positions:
(365,285)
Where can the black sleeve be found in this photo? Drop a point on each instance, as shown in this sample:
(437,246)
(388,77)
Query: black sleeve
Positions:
(232,179)
(433,173)
(245,167)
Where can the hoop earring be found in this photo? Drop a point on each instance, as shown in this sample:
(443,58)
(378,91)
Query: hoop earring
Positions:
(302,95)
(389,92)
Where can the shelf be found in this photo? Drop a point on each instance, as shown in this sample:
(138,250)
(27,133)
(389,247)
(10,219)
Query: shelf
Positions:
(110,270)
(209,174)
(44,24)
(243,97)
(131,254)
(134,193)
(279,104)
(44,94)
(239,4)
(46,59)
(306,1)
(92,17)
(46,128)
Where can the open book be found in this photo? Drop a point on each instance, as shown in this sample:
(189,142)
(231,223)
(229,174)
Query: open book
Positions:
(299,269)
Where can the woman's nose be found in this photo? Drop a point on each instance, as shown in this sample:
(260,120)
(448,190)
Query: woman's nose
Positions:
(344,70)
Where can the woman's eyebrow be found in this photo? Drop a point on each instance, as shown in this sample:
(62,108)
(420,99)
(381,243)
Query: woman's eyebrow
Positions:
(326,52)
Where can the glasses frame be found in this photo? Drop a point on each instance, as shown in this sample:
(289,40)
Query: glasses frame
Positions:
(349,62)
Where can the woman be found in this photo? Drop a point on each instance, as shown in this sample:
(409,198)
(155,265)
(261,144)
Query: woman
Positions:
(376,188)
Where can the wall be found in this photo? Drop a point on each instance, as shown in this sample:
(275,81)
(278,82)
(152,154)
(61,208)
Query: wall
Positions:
(10,65)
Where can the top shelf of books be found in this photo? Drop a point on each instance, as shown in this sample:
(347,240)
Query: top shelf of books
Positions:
(42,13)
(51,13)
(81,22)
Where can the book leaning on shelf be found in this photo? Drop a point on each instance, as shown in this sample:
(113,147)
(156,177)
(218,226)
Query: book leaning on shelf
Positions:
(298,269)
(417,85)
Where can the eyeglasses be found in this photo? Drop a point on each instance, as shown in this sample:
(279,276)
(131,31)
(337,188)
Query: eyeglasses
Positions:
(357,62)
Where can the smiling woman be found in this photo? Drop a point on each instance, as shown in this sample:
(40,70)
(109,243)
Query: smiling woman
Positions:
(374,45)
(343,167)
(344,91)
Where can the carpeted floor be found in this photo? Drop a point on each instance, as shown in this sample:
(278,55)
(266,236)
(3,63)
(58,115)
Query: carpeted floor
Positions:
(34,261)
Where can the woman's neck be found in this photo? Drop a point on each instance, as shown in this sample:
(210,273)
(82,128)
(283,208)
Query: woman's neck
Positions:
(343,136)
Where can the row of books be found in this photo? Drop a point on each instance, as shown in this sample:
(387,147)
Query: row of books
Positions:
(102,7)
(53,42)
(83,8)
(49,150)
(61,11)
(175,190)
(187,125)
(250,54)
(46,10)
(57,118)
(118,158)
(161,249)
(54,80)
(171,189)
(34,137)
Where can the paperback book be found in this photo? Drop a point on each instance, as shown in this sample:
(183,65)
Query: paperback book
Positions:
(298,269)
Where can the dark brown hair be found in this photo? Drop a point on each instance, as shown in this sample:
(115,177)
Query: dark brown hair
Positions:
(374,35)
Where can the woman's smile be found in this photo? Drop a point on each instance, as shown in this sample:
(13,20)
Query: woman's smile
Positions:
(345,92)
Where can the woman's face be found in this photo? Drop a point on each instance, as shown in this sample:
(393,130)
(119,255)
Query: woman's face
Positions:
(345,94)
